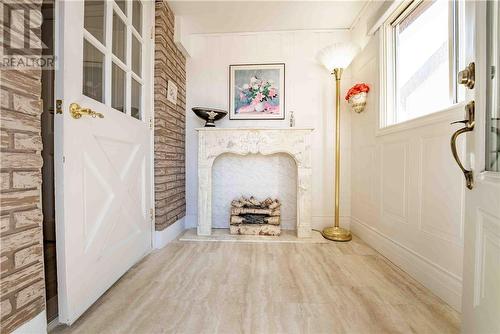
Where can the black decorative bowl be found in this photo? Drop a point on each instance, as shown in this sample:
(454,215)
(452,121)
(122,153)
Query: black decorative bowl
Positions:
(210,115)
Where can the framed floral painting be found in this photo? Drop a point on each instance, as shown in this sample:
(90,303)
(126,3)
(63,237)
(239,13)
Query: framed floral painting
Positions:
(257,91)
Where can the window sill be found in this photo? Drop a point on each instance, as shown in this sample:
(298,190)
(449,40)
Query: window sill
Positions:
(449,114)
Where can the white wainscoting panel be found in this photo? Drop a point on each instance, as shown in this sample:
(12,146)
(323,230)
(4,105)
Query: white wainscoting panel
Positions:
(407,192)
(394,181)
(441,192)
(364,170)
(487,271)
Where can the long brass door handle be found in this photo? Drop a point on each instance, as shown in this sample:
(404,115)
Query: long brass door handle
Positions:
(77,112)
(469,126)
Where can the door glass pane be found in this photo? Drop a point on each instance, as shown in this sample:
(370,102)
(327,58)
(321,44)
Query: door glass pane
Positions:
(136,99)
(493,88)
(422,61)
(94,18)
(137,16)
(118,88)
(123,5)
(136,56)
(93,72)
(119,37)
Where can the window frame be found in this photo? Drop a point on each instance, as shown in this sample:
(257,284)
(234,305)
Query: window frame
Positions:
(388,63)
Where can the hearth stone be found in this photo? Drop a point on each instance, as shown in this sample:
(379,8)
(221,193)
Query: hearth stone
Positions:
(250,216)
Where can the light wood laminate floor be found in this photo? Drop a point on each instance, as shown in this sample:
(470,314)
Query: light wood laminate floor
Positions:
(222,287)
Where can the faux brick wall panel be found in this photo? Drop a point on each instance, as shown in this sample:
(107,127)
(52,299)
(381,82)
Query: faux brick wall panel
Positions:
(170,122)
(22,284)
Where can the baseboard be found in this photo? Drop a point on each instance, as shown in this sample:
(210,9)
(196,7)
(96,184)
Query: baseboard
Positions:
(37,325)
(164,237)
(441,282)
(320,222)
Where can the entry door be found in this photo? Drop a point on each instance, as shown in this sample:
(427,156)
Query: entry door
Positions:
(481,270)
(103,146)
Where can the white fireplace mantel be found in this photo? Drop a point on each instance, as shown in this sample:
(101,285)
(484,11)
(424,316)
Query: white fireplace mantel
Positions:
(212,142)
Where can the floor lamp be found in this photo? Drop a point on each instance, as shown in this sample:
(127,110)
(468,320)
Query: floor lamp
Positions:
(336,58)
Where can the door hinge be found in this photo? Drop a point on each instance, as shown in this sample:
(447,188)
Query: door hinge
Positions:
(151,123)
(152,32)
(152,214)
(59,106)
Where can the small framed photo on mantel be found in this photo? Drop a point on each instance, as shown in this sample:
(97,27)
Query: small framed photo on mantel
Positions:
(257,91)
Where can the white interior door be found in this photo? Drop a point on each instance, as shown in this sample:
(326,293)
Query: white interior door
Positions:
(103,164)
(481,270)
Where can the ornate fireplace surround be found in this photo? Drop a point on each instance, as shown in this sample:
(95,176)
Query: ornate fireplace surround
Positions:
(212,142)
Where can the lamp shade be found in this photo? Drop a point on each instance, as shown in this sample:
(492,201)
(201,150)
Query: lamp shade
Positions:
(338,55)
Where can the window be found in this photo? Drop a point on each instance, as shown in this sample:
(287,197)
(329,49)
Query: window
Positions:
(420,62)
(112,69)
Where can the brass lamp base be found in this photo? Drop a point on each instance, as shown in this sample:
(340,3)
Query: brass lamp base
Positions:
(336,234)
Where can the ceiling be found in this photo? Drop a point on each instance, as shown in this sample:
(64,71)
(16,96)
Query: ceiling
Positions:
(253,16)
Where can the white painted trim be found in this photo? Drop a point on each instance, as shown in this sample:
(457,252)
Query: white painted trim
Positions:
(163,238)
(53,324)
(181,36)
(489,177)
(449,114)
(151,119)
(440,281)
(386,10)
(358,17)
(215,34)
(37,325)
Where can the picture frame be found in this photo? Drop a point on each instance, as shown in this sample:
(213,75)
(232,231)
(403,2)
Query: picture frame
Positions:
(257,91)
(172,92)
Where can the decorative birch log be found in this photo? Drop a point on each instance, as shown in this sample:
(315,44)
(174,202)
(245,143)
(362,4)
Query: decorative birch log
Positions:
(253,217)
(254,229)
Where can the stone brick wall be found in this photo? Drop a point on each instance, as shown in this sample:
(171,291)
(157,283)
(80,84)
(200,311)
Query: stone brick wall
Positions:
(22,273)
(170,120)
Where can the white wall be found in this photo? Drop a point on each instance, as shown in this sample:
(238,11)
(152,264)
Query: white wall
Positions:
(406,189)
(309,93)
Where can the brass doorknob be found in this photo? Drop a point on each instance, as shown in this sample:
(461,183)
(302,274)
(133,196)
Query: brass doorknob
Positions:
(466,77)
(77,112)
